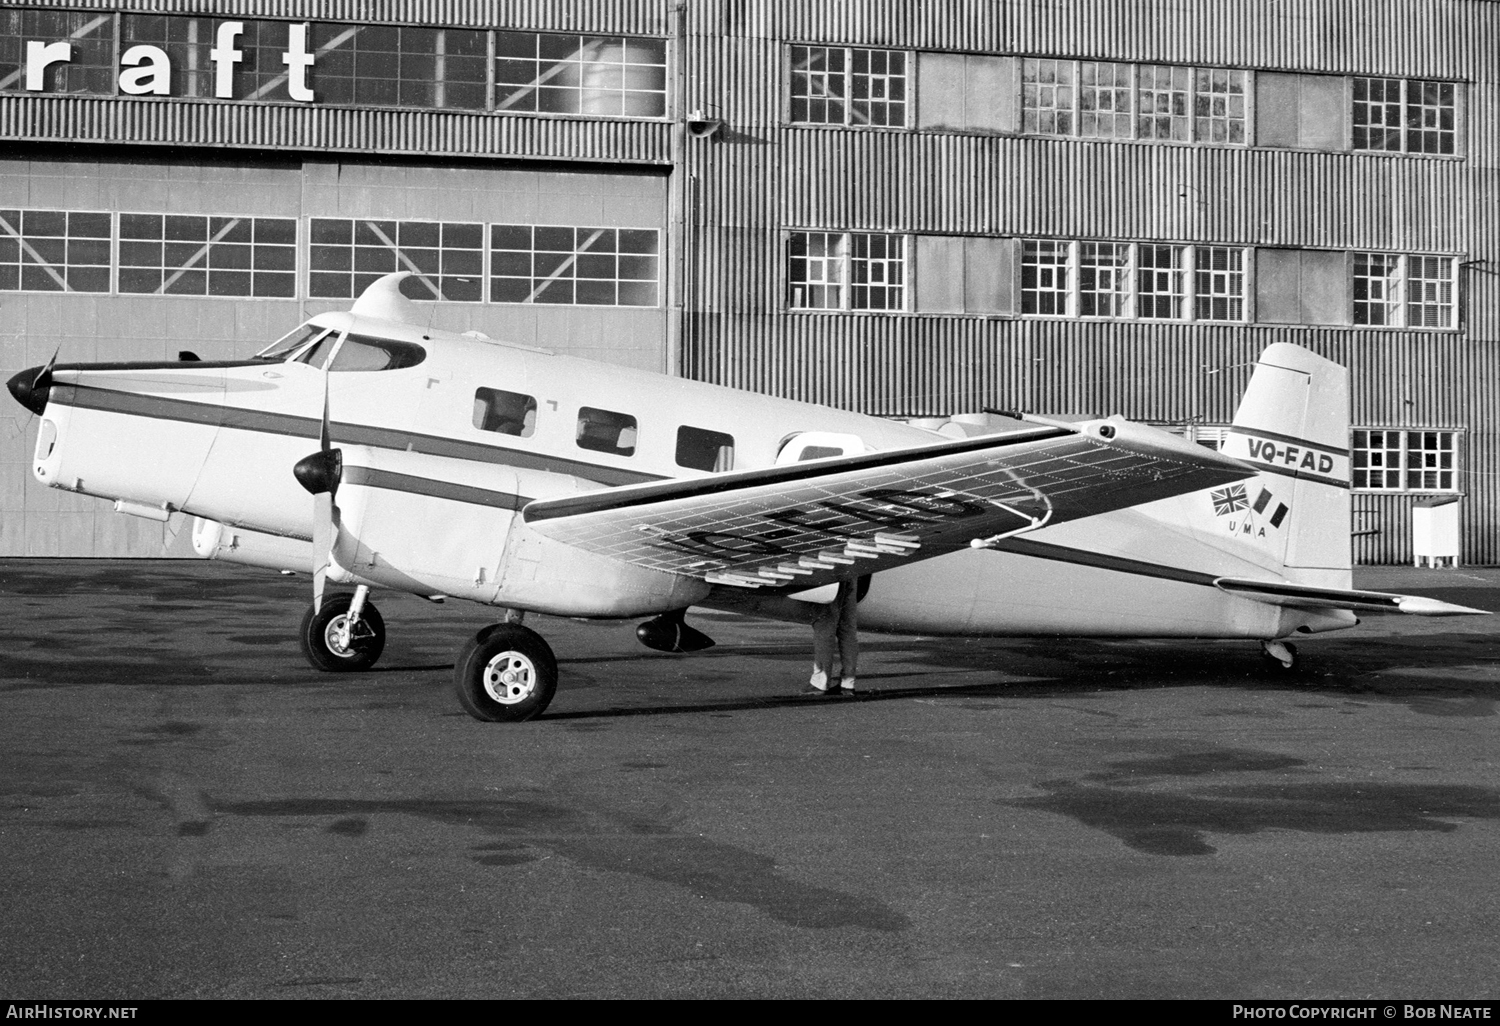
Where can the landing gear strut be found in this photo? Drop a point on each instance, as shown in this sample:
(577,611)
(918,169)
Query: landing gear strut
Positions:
(347,634)
(1282,652)
(505,673)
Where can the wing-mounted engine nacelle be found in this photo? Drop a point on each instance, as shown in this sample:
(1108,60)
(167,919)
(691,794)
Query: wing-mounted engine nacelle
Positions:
(213,540)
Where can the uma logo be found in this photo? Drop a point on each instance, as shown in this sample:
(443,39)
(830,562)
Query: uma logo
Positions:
(1247,520)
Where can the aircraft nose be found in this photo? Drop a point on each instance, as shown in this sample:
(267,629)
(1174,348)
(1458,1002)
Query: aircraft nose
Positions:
(30,388)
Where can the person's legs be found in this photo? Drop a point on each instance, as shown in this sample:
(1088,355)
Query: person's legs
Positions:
(825,626)
(848,635)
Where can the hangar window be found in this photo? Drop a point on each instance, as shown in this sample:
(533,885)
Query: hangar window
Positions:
(54,251)
(1160,282)
(1403,291)
(346,256)
(400,66)
(573,266)
(1219,283)
(605,431)
(508,413)
(846,271)
(1152,281)
(1112,100)
(177,254)
(701,449)
(89,66)
(834,85)
(598,76)
(259,74)
(1103,279)
(1405,115)
(1045,285)
(1404,460)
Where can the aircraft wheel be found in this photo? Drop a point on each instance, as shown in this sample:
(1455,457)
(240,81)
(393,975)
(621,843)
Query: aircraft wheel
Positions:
(506,674)
(1282,653)
(320,636)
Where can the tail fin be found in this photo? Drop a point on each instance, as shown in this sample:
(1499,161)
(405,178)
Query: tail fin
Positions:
(1293,423)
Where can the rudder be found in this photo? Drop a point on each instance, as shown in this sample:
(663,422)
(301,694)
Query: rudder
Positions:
(1293,424)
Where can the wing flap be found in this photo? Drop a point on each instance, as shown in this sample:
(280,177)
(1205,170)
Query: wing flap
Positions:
(808,524)
(1302,596)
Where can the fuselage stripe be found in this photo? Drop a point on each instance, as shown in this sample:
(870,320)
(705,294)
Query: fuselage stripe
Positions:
(184,411)
(391,481)
(1294,473)
(1289,439)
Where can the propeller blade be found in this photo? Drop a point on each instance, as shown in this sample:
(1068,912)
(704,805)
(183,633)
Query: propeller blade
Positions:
(325,433)
(319,473)
(323,528)
(44,376)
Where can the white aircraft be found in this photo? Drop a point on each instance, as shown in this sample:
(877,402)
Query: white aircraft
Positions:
(509,476)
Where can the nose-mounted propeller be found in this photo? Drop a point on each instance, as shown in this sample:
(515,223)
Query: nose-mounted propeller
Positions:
(31,388)
(319,473)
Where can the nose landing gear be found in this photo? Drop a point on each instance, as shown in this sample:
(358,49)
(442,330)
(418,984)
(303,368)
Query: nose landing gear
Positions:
(347,634)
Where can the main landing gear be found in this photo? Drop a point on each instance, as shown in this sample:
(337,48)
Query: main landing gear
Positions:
(505,673)
(346,634)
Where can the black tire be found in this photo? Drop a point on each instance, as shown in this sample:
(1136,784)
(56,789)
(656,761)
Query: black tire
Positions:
(505,674)
(320,648)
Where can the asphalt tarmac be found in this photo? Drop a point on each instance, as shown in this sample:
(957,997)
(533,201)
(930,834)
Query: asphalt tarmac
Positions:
(188,810)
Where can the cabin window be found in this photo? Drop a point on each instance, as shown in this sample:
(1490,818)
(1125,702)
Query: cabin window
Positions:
(508,413)
(701,449)
(606,431)
(362,353)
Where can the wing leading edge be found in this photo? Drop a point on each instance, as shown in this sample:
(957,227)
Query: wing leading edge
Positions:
(809,524)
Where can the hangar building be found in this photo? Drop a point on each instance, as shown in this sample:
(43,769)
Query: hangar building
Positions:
(908,207)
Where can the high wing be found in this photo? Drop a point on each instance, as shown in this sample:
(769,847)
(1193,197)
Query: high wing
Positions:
(1301,596)
(808,524)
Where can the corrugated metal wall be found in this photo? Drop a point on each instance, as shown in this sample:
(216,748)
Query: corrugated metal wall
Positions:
(762,177)
(634,17)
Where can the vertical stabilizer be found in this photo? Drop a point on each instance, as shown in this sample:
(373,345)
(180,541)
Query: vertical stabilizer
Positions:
(1293,423)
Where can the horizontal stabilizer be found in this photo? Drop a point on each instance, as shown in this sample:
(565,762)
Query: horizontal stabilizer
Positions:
(1302,596)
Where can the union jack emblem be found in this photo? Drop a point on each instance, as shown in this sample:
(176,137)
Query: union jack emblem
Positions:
(1230,500)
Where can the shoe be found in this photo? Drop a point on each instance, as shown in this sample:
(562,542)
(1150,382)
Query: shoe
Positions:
(819,682)
(846,687)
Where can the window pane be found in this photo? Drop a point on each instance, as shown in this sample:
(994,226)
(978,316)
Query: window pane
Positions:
(444,256)
(1159,282)
(1377,114)
(701,449)
(54,251)
(1044,277)
(508,413)
(1219,283)
(1047,97)
(572,265)
(606,431)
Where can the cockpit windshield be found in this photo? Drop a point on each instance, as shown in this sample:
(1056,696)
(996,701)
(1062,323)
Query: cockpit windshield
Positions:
(290,343)
(362,353)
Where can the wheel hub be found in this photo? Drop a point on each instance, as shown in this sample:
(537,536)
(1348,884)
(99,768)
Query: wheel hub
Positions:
(334,634)
(510,678)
